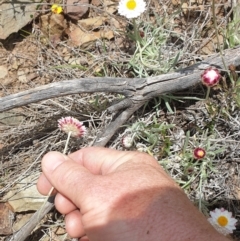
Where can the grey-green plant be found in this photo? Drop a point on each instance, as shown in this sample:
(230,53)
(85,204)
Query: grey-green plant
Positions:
(200,168)
(150,135)
(236,92)
(232,32)
(154,53)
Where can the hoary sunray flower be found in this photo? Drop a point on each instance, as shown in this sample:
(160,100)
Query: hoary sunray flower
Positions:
(199,153)
(56,9)
(131,8)
(210,77)
(72,125)
(222,220)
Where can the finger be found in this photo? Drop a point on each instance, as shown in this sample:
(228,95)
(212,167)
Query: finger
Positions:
(92,158)
(69,178)
(99,160)
(63,204)
(44,186)
(74,225)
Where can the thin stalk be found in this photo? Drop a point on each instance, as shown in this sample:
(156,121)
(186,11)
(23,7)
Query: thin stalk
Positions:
(202,176)
(136,31)
(67,141)
(208,92)
(186,142)
(64,152)
(218,41)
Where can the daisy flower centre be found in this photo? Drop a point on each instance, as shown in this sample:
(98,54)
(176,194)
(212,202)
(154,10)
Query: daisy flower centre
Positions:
(201,153)
(131,4)
(222,221)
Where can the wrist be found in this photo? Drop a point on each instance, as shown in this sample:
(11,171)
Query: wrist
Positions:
(179,224)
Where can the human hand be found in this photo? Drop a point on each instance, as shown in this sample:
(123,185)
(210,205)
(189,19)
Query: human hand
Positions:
(110,195)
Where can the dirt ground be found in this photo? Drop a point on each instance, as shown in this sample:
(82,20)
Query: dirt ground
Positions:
(33,57)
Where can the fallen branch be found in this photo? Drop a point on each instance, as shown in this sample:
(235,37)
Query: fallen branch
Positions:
(136,92)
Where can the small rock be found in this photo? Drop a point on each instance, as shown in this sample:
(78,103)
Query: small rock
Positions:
(75,9)
(22,77)
(3,71)
(25,196)
(6,219)
(7,81)
(15,15)
(96,2)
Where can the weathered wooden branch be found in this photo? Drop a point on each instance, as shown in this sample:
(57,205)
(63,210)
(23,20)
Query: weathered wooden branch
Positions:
(136,92)
(135,89)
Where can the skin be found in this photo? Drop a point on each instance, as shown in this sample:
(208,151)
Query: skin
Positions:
(109,195)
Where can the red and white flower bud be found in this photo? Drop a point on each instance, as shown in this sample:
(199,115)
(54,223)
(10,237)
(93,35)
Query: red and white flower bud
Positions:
(210,77)
(199,153)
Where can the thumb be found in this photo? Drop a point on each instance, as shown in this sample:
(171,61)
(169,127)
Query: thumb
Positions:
(66,176)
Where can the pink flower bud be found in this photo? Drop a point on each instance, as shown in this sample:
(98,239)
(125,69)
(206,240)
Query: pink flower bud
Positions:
(199,153)
(210,77)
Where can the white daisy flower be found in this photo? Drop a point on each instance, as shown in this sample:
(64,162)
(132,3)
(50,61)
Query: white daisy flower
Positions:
(131,8)
(222,220)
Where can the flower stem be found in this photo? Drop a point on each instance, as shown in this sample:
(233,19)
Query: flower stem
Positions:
(208,92)
(64,152)
(136,31)
(67,141)
(202,178)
